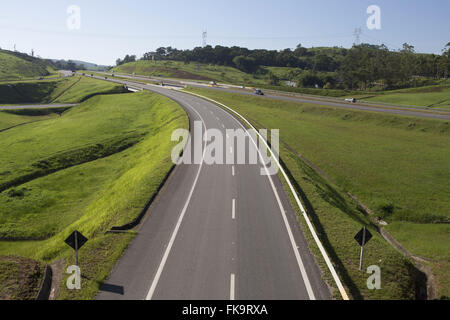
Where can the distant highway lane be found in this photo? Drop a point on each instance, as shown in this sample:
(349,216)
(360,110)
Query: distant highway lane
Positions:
(216,232)
(396,110)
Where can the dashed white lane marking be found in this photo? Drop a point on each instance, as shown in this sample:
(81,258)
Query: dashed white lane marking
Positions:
(233,210)
(232,170)
(232,286)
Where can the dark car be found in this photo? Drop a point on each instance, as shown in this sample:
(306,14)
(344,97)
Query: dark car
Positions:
(259,92)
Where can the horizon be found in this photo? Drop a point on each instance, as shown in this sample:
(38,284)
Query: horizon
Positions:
(106,35)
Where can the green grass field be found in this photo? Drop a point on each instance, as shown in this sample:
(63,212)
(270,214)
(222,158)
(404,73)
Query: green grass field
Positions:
(430,96)
(13,67)
(398,166)
(91,169)
(66,90)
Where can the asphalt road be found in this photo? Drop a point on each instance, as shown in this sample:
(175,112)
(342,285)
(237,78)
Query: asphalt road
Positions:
(397,110)
(216,232)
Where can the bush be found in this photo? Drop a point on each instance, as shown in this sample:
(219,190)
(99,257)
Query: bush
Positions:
(328,86)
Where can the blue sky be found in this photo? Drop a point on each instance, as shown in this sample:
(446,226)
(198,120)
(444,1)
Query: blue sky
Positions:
(113,28)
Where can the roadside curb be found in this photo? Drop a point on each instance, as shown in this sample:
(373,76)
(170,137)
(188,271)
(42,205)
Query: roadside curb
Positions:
(46,284)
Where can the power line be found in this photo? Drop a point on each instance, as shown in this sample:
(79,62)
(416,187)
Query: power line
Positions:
(205,37)
(162,36)
(357,35)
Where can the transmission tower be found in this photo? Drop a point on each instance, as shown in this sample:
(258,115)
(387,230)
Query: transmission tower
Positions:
(204,36)
(357,35)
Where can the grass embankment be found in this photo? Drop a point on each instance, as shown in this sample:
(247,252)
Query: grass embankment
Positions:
(397,166)
(13,118)
(66,90)
(16,66)
(91,169)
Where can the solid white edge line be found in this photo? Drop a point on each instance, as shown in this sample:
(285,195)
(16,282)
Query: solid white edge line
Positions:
(232,286)
(288,228)
(180,219)
(305,216)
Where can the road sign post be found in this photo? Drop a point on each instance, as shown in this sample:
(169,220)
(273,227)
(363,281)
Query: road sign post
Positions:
(362,249)
(362,237)
(76,249)
(76,240)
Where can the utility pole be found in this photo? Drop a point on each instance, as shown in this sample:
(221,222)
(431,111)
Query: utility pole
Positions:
(204,36)
(357,35)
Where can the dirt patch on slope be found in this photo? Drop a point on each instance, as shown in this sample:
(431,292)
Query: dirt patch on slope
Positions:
(20,278)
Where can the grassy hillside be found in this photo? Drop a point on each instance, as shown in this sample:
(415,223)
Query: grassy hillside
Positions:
(398,166)
(66,90)
(93,168)
(17,66)
(180,70)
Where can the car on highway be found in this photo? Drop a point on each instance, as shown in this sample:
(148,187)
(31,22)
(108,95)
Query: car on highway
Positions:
(259,92)
(353,100)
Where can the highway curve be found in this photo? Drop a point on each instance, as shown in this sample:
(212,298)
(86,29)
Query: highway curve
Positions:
(216,232)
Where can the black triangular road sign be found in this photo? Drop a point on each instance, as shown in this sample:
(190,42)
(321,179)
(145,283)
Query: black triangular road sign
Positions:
(359,236)
(81,240)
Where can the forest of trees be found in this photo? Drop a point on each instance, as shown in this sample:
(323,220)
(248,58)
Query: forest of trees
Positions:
(67,65)
(360,67)
(128,58)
